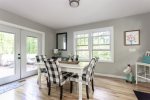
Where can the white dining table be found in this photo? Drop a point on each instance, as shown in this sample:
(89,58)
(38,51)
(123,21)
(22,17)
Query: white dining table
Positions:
(74,68)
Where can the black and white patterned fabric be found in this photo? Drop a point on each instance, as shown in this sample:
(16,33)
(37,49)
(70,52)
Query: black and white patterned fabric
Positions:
(96,60)
(39,59)
(87,75)
(56,76)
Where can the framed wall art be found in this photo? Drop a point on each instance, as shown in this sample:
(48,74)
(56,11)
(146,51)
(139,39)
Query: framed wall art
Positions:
(132,38)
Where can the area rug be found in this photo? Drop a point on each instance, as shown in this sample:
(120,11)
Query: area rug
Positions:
(10,86)
(142,95)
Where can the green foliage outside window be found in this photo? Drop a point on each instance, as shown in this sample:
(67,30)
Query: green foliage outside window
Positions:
(32,45)
(6,43)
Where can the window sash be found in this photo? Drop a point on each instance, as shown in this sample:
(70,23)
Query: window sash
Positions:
(86,58)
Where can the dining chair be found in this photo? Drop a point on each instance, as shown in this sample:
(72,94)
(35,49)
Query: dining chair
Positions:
(87,77)
(43,71)
(56,76)
(41,58)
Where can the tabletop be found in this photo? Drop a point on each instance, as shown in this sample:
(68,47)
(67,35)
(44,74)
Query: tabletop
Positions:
(81,65)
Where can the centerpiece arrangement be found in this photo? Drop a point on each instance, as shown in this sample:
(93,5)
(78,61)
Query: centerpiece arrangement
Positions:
(72,59)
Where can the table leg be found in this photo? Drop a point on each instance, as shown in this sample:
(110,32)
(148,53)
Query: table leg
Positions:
(39,78)
(136,73)
(80,86)
(145,72)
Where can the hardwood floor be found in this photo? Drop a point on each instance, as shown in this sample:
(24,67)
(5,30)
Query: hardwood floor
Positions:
(105,89)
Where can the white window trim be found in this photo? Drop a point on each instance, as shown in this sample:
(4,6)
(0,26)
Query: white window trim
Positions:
(97,30)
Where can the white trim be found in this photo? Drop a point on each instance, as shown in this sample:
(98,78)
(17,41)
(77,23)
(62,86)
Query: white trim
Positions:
(74,42)
(43,43)
(112,43)
(28,29)
(94,30)
(110,75)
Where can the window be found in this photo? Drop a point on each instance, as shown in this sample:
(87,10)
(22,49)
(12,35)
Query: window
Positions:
(94,43)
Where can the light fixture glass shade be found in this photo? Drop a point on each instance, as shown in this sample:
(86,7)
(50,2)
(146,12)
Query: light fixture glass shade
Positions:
(74,3)
(55,51)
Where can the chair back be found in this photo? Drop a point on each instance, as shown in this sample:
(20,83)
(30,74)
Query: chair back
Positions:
(54,72)
(90,69)
(41,58)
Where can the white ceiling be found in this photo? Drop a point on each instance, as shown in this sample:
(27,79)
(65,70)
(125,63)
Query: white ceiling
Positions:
(58,14)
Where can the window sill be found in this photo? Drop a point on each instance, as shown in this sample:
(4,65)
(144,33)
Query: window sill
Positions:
(99,61)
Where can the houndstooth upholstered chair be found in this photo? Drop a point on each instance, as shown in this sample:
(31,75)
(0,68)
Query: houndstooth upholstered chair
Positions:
(56,76)
(41,58)
(87,77)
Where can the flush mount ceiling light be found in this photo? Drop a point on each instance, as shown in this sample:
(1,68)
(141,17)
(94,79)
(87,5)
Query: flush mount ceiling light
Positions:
(74,3)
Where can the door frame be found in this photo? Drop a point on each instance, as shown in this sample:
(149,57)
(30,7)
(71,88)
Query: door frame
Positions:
(20,27)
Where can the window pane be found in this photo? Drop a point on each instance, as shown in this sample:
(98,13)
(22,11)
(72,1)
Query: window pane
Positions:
(104,33)
(82,47)
(95,40)
(106,47)
(7,49)
(96,34)
(83,55)
(101,33)
(103,55)
(101,40)
(82,41)
(104,40)
(82,35)
(32,51)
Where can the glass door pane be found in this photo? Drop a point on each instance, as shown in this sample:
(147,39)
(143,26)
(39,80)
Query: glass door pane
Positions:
(32,51)
(9,53)
(7,64)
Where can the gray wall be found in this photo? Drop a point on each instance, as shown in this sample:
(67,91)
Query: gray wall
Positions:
(123,55)
(50,40)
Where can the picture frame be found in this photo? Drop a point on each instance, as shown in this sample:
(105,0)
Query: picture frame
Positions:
(132,38)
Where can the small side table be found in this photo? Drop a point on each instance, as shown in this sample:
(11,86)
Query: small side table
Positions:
(144,74)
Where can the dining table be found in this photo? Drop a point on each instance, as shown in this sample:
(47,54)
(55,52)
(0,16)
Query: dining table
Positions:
(74,68)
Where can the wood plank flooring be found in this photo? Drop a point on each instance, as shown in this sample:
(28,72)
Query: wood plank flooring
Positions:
(105,89)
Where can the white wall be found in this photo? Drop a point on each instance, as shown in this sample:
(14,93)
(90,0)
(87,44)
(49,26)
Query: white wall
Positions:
(122,55)
(50,36)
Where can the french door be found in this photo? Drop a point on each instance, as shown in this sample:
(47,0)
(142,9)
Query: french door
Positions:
(18,49)
(31,45)
(9,50)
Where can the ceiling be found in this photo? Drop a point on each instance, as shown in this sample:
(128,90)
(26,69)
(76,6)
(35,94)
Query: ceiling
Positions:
(58,14)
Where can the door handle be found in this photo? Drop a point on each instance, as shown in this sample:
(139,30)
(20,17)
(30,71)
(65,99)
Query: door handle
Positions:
(19,56)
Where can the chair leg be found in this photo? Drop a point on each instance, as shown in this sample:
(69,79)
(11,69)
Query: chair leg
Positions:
(92,82)
(87,91)
(61,92)
(49,88)
(71,86)
(47,81)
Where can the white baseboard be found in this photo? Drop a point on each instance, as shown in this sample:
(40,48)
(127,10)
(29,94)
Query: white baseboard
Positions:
(109,75)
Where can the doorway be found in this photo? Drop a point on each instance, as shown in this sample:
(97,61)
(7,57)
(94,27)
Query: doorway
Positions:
(18,49)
